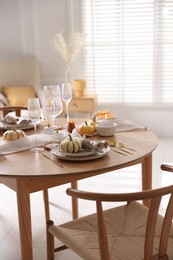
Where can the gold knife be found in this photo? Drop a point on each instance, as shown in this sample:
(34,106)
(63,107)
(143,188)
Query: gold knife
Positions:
(124,150)
(115,150)
(121,145)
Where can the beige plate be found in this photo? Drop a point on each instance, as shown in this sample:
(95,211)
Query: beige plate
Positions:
(4,126)
(82,153)
(79,156)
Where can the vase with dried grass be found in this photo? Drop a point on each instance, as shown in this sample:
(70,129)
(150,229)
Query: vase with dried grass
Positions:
(68,47)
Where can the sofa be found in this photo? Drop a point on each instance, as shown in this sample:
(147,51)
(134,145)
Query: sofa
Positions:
(19,80)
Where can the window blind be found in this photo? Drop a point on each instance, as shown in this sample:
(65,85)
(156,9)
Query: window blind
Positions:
(129,50)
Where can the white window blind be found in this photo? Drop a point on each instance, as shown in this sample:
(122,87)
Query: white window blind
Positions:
(129,50)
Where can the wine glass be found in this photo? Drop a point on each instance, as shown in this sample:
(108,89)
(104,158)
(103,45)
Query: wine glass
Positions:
(67,96)
(34,112)
(52,103)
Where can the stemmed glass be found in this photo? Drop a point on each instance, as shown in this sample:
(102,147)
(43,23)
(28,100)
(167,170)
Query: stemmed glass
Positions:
(67,96)
(52,103)
(34,112)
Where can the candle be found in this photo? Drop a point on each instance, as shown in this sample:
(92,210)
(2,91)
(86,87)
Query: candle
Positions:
(71,126)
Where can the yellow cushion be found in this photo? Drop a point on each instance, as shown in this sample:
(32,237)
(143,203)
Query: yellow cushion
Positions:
(18,95)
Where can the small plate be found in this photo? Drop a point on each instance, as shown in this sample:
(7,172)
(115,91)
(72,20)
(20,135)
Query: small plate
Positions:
(4,126)
(82,153)
(90,135)
(79,156)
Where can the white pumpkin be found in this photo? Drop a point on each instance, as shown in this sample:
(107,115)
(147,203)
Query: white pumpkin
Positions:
(11,135)
(71,145)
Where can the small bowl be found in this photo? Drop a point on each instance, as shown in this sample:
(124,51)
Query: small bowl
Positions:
(108,120)
(106,128)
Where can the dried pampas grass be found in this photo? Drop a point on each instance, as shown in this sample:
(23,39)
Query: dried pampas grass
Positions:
(68,47)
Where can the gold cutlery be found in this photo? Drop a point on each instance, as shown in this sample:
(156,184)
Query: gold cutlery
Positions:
(121,145)
(117,151)
(50,158)
(124,150)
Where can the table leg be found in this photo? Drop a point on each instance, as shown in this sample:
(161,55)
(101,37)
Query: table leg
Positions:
(74,201)
(24,215)
(147,176)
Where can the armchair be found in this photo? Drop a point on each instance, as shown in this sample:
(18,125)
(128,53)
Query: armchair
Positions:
(17,75)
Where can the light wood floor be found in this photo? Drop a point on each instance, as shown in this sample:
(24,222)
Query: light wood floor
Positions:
(128,179)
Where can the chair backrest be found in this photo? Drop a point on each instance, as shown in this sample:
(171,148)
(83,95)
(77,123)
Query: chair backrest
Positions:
(155,197)
(16,109)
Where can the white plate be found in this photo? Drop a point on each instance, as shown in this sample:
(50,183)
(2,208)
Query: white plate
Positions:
(127,125)
(4,126)
(82,153)
(76,157)
(90,135)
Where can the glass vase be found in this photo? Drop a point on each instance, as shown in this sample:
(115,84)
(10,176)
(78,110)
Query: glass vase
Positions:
(68,75)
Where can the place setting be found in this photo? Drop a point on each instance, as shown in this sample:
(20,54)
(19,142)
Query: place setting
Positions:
(11,121)
(69,143)
(75,149)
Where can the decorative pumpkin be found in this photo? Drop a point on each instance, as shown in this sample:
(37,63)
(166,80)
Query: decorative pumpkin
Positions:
(71,145)
(11,135)
(94,124)
(87,129)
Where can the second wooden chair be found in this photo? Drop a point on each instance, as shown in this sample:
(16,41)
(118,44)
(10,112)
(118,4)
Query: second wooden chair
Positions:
(127,232)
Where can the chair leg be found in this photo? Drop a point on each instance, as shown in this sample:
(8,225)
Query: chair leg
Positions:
(74,201)
(50,241)
(46,204)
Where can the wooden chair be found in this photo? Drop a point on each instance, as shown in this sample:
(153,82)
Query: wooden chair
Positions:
(16,109)
(128,232)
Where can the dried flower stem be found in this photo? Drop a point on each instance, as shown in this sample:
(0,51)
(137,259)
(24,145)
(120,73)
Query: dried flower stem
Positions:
(68,48)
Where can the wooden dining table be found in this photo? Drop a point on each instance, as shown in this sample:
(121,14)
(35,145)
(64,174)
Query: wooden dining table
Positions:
(27,172)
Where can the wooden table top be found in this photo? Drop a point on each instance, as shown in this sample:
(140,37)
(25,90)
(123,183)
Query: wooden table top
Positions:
(29,164)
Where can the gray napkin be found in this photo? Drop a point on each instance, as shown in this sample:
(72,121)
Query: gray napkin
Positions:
(97,145)
(9,119)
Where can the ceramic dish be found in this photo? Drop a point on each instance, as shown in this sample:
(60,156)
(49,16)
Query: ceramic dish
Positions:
(82,153)
(106,129)
(60,155)
(111,120)
(5,126)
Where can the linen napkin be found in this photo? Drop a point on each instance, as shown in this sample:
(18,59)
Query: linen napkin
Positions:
(10,119)
(96,145)
(22,144)
(28,142)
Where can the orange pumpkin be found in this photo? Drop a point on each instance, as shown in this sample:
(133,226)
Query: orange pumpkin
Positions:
(86,129)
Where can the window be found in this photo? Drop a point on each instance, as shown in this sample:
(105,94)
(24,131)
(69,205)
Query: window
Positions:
(129,50)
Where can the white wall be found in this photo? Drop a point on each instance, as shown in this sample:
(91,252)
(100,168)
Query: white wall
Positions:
(27,28)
